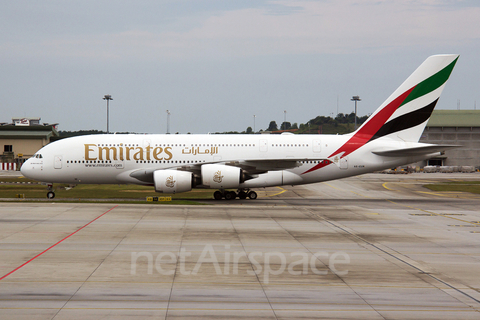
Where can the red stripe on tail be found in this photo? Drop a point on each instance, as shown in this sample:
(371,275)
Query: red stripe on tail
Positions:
(367,131)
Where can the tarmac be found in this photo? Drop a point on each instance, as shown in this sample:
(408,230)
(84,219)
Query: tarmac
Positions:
(370,247)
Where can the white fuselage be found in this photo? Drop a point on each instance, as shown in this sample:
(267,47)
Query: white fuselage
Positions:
(111,159)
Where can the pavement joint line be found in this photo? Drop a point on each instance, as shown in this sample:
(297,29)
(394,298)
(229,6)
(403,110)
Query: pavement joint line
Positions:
(185,214)
(41,253)
(256,275)
(435,214)
(359,194)
(349,190)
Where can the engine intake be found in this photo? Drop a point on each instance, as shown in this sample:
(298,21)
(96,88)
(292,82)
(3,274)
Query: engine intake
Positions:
(217,176)
(173,181)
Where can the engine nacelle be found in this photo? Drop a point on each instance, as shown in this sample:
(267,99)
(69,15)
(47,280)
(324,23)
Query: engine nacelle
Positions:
(172,181)
(220,176)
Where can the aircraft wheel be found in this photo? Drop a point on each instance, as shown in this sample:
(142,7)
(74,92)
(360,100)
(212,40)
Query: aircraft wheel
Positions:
(242,195)
(230,195)
(252,195)
(217,195)
(50,195)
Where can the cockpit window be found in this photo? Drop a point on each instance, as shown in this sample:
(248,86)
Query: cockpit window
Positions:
(38,156)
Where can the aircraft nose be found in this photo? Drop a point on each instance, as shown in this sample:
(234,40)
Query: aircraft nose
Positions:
(27,169)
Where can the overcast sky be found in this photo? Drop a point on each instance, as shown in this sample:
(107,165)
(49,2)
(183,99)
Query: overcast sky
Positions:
(215,64)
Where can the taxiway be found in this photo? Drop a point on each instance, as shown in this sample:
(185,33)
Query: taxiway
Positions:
(370,247)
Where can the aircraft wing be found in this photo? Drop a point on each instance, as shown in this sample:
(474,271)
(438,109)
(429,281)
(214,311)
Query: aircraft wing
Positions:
(260,166)
(257,166)
(415,151)
(250,167)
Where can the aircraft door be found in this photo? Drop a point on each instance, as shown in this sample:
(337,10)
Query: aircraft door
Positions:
(344,163)
(146,143)
(316,144)
(57,162)
(263,145)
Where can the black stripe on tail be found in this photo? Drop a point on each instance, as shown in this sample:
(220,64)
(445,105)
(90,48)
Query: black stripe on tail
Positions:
(406,121)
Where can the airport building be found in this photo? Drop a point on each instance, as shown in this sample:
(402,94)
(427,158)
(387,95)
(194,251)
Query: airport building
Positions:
(22,138)
(454,127)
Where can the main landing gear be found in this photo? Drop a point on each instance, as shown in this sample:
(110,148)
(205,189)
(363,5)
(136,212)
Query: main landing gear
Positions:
(50,193)
(231,195)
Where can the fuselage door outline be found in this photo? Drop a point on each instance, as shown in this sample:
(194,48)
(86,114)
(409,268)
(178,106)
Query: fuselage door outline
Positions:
(57,162)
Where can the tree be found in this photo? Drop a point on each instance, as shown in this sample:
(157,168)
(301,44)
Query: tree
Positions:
(362,119)
(285,126)
(249,130)
(351,117)
(294,126)
(341,118)
(272,126)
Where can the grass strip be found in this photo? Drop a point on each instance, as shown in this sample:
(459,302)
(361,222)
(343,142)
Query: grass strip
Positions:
(114,193)
(456,186)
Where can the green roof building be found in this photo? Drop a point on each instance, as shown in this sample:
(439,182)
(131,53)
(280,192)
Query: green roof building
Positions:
(455,127)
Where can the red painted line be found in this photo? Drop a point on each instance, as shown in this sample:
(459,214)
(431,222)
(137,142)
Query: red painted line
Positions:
(71,234)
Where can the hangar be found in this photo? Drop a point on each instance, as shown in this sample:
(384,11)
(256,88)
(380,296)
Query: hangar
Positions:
(455,127)
(22,138)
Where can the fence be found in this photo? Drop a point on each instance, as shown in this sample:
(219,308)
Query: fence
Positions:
(8,166)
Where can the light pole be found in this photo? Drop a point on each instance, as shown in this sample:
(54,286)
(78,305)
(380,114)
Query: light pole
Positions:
(168,122)
(108,98)
(254,116)
(284,119)
(356,98)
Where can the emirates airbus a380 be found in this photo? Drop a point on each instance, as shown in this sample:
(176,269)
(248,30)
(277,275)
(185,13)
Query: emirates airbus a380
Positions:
(178,163)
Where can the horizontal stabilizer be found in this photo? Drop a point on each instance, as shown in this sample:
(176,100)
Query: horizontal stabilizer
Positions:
(415,151)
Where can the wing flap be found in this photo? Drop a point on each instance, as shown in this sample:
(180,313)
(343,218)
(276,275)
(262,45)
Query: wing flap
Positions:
(258,166)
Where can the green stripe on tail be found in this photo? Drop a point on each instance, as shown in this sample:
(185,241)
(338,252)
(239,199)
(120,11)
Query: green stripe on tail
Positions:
(431,83)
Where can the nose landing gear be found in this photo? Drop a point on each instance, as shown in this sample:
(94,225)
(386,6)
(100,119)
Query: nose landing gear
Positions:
(231,195)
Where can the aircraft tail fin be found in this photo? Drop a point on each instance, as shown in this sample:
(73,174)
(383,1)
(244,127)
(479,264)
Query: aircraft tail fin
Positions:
(404,115)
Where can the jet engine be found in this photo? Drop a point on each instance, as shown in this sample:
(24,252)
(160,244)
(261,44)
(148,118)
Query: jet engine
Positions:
(221,176)
(172,181)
